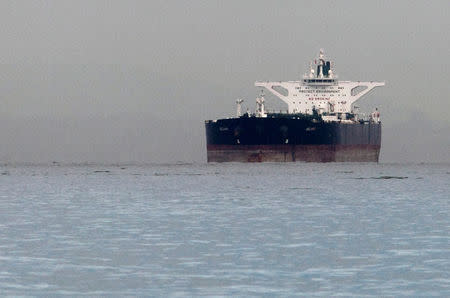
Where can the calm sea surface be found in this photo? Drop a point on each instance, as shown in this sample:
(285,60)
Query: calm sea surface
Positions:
(225,229)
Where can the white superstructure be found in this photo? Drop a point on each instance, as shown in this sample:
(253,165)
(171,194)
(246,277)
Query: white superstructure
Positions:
(320,91)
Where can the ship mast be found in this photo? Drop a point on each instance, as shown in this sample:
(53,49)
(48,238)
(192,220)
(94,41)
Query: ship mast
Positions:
(239,102)
(260,112)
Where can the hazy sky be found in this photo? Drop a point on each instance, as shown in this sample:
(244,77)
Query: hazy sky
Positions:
(133,81)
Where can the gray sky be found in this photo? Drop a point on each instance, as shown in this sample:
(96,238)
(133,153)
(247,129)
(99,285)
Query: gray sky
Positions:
(133,81)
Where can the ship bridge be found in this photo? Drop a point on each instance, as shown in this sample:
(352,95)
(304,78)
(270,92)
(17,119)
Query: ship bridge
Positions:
(319,90)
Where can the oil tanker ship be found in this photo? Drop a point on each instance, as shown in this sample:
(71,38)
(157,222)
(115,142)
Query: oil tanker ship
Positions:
(321,124)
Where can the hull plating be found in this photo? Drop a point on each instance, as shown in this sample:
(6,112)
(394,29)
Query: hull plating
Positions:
(291,139)
(292,153)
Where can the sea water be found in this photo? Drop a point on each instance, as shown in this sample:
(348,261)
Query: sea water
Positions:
(225,230)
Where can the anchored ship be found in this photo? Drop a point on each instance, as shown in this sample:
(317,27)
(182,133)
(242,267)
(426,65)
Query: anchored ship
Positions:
(321,124)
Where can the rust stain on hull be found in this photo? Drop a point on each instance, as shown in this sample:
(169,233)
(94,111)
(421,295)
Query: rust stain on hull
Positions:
(293,153)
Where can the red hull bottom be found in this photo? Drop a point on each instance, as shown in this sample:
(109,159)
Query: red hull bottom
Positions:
(291,153)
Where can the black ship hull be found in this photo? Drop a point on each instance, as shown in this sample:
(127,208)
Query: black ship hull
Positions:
(282,139)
